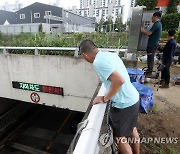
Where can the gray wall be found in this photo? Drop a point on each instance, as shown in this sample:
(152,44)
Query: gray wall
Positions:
(75,75)
(25,28)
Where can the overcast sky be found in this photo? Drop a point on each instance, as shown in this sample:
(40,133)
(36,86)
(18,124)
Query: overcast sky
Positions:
(63,3)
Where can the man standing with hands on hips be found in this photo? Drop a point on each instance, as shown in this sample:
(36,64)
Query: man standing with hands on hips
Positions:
(123,95)
(153,42)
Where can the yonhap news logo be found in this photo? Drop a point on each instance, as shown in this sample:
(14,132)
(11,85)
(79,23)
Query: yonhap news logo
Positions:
(155,140)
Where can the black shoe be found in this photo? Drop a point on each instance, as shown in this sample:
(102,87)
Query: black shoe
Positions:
(148,75)
(161,82)
(148,72)
(164,86)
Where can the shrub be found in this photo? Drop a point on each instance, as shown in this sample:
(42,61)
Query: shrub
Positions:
(170,21)
(108,40)
(178,36)
(150,4)
(164,34)
(172,7)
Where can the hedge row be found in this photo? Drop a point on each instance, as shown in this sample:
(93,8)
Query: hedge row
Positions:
(108,40)
(170,21)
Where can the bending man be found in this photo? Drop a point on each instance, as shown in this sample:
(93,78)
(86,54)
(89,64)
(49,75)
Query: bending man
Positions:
(123,95)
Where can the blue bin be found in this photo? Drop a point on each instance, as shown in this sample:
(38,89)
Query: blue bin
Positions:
(146,96)
(136,75)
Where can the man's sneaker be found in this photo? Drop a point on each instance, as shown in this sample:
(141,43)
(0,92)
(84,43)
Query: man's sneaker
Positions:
(164,86)
(161,82)
(148,75)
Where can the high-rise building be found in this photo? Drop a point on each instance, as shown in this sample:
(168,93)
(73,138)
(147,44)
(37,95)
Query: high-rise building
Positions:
(101,9)
(133,2)
(12,7)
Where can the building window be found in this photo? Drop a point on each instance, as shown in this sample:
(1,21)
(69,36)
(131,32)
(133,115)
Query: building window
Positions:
(117,11)
(103,12)
(121,10)
(22,16)
(87,3)
(48,13)
(132,3)
(85,13)
(97,13)
(104,1)
(67,14)
(36,15)
(79,12)
(81,4)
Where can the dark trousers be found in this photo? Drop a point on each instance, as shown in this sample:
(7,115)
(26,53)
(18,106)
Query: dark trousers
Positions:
(165,74)
(150,58)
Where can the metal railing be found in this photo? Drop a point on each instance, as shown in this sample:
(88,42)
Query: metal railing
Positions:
(37,49)
(88,140)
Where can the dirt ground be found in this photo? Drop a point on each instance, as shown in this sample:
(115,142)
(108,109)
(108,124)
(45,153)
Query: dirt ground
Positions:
(163,120)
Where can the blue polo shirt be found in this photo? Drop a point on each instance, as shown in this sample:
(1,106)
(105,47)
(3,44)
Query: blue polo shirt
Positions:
(105,64)
(156,30)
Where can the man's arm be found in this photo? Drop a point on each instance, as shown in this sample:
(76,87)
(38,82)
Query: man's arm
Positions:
(148,33)
(116,82)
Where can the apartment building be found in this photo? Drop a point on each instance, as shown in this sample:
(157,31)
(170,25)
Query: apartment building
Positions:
(12,7)
(104,9)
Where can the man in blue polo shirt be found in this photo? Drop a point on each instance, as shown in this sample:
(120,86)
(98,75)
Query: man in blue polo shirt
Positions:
(153,42)
(123,95)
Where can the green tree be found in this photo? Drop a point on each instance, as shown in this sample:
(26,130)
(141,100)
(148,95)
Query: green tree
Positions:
(170,21)
(108,24)
(101,22)
(119,26)
(97,27)
(172,7)
(150,4)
